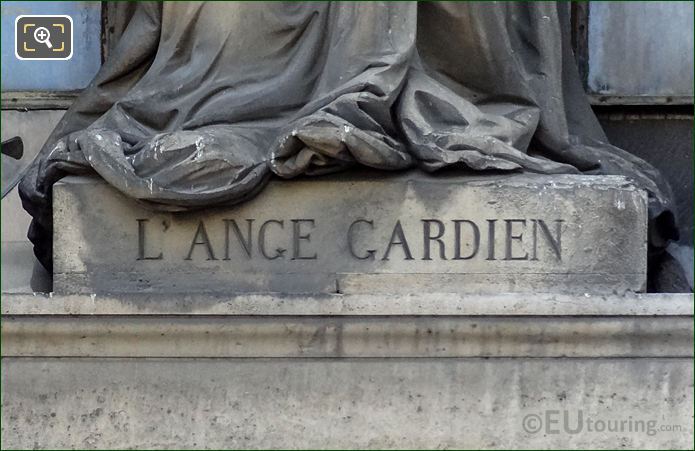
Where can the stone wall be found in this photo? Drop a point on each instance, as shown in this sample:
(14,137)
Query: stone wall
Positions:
(355,371)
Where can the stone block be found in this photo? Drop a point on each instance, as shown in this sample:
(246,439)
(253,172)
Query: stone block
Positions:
(155,403)
(408,232)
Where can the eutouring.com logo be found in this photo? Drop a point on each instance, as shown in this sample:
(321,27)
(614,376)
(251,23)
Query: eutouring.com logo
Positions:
(577,422)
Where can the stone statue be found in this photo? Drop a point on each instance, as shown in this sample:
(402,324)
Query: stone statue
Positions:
(200,103)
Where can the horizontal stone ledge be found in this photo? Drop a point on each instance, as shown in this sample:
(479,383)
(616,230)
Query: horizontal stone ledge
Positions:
(345,336)
(431,304)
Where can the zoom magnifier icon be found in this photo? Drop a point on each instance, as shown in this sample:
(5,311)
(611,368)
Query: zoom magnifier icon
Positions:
(43,36)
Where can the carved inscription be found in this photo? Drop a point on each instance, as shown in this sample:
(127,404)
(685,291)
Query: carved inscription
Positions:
(426,239)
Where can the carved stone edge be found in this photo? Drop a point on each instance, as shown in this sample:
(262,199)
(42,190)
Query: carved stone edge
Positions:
(277,304)
(274,326)
(166,336)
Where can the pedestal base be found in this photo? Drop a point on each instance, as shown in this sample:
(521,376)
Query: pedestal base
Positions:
(341,371)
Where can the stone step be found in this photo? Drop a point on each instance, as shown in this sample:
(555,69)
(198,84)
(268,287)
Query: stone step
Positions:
(401,233)
(347,326)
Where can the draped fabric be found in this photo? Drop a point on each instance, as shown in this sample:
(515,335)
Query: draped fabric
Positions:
(200,103)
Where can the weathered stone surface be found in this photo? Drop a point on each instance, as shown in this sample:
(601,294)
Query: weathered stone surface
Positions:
(337,371)
(534,327)
(154,403)
(353,337)
(403,233)
(414,304)
(354,326)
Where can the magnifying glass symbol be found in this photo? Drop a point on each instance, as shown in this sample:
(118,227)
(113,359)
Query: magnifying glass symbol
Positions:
(43,36)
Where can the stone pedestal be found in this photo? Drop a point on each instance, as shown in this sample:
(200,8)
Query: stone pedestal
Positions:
(400,311)
(347,371)
(404,233)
